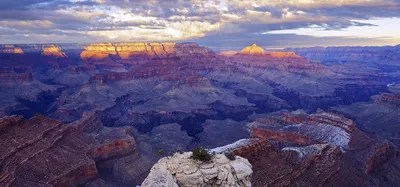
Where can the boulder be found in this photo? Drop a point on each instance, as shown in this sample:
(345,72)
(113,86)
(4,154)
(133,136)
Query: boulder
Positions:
(182,170)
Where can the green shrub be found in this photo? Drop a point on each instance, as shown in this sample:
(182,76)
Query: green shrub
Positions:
(201,154)
(160,152)
(230,155)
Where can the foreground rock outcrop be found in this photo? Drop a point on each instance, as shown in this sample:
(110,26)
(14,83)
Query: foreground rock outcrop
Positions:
(182,170)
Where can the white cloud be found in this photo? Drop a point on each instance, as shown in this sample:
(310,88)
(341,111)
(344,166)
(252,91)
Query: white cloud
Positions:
(387,29)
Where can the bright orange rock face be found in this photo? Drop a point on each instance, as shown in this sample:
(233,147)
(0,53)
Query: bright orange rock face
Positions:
(54,51)
(255,56)
(98,51)
(253,49)
(11,49)
(125,51)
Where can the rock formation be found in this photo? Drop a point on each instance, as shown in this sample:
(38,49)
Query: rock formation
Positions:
(318,149)
(54,51)
(380,116)
(139,52)
(251,50)
(42,151)
(17,77)
(176,96)
(182,170)
(254,56)
(11,49)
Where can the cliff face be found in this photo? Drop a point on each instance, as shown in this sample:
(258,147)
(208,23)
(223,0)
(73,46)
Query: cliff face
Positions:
(254,56)
(304,129)
(11,49)
(41,150)
(31,153)
(181,170)
(392,99)
(318,149)
(38,48)
(15,77)
(380,116)
(139,52)
(54,51)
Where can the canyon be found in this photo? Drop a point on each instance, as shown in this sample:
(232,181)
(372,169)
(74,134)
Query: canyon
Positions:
(102,114)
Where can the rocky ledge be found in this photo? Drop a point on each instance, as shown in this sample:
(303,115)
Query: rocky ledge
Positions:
(41,151)
(182,170)
(320,149)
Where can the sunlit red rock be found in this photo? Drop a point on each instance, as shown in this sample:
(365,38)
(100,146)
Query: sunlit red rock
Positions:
(251,50)
(255,56)
(11,49)
(53,51)
(98,51)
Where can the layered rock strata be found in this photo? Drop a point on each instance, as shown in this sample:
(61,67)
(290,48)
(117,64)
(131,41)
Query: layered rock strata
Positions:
(254,56)
(44,152)
(322,149)
(182,170)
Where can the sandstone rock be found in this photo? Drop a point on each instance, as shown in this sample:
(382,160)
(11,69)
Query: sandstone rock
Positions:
(393,99)
(11,49)
(253,49)
(54,51)
(346,157)
(380,154)
(301,129)
(254,56)
(181,170)
(160,176)
(45,151)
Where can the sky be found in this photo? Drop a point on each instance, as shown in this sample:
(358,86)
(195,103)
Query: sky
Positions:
(219,24)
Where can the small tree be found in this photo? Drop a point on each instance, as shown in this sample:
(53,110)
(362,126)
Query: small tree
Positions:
(201,154)
(230,155)
(160,152)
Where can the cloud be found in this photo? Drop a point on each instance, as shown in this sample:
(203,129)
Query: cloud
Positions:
(177,20)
